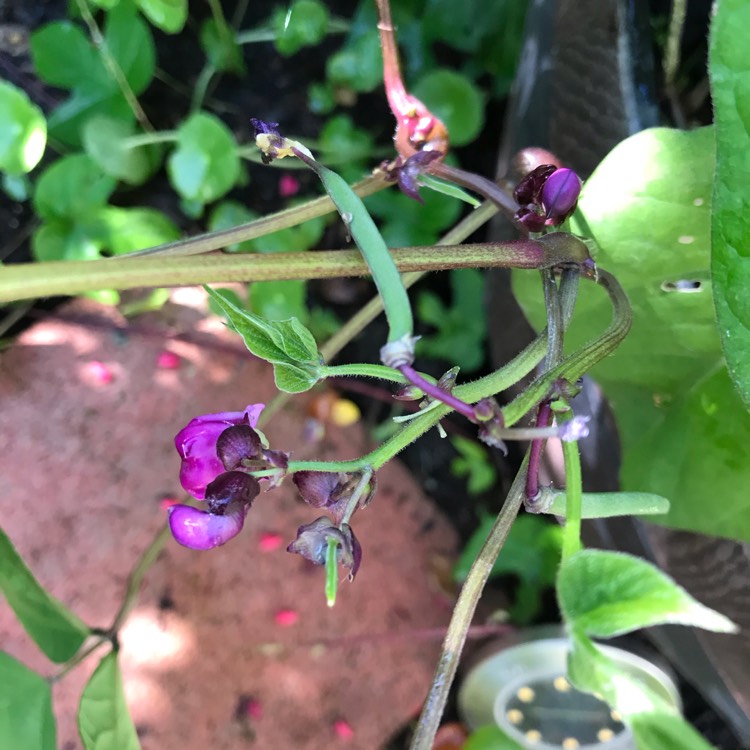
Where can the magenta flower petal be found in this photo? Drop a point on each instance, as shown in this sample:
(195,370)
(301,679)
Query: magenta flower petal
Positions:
(560,194)
(196,444)
(197,529)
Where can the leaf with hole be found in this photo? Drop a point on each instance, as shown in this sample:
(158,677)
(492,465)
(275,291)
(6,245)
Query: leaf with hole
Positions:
(26,718)
(729,70)
(23,131)
(55,629)
(103,717)
(286,344)
(683,429)
(605,594)
(205,165)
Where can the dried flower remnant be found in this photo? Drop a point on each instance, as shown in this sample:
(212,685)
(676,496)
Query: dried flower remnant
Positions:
(332,490)
(406,172)
(312,544)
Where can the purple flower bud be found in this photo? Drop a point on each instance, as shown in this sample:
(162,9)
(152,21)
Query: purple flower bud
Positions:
(332,490)
(231,491)
(197,529)
(237,444)
(312,544)
(560,195)
(529,189)
(196,444)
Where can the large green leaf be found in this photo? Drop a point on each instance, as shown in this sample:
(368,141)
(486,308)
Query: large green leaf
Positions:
(648,207)
(103,717)
(605,594)
(286,344)
(131,44)
(105,140)
(26,719)
(23,131)
(660,731)
(63,56)
(55,629)
(729,67)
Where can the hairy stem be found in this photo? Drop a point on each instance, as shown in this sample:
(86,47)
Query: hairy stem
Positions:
(571,541)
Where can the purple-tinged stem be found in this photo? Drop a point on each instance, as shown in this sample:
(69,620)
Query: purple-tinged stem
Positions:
(543,418)
(438,394)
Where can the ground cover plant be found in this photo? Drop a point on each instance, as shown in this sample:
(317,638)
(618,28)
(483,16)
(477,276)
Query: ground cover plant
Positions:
(620,259)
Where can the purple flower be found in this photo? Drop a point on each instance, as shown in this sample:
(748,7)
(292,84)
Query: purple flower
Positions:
(560,195)
(228,498)
(546,197)
(196,444)
(530,188)
(312,544)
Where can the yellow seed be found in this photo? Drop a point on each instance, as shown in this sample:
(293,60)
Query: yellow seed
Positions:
(533,735)
(561,684)
(344,413)
(570,743)
(604,734)
(514,716)
(525,695)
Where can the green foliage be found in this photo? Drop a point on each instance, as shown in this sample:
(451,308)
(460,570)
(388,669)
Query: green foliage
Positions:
(26,718)
(56,630)
(490,737)
(358,65)
(663,731)
(303,24)
(105,140)
(279,300)
(456,101)
(461,328)
(683,428)
(730,250)
(221,49)
(63,56)
(168,15)
(531,552)
(23,131)
(605,594)
(341,141)
(103,718)
(473,463)
(205,165)
(286,344)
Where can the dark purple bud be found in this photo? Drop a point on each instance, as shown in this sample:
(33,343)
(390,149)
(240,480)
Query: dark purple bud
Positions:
(196,444)
(276,459)
(237,444)
(270,128)
(560,195)
(487,409)
(530,219)
(312,544)
(231,491)
(529,189)
(332,490)
(197,529)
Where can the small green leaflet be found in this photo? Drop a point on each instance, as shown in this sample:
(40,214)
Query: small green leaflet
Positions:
(26,718)
(24,131)
(103,717)
(605,594)
(55,629)
(286,344)
(729,71)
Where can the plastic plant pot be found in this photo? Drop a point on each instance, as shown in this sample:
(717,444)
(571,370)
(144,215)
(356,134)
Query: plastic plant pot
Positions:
(522,688)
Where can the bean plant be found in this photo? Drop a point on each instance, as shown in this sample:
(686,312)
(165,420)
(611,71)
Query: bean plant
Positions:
(601,268)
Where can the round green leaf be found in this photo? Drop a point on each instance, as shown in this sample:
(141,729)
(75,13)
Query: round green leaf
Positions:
(126,230)
(205,164)
(230,214)
(61,240)
(72,187)
(168,15)
(131,43)
(26,718)
(105,141)
(359,66)
(222,50)
(341,141)
(63,56)
(456,101)
(23,131)
(304,24)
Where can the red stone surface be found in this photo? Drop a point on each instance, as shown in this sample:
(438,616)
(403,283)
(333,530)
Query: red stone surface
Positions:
(86,468)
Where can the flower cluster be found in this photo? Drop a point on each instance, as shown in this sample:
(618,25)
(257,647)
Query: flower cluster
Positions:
(546,196)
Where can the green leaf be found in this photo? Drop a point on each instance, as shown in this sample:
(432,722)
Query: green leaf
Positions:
(222,51)
(648,207)
(26,718)
(303,24)
(103,717)
(609,593)
(63,56)
(205,164)
(56,630)
(490,737)
(729,69)
(342,141)
(359,65)
(130,42)
(230,214)
(168,15)
(473,462)
(67,121)
(279,300)
(23,131)
(286,344)
(105,141)
(454,99)
(663,731)
(591,670)
(125,230)
(72,188)
(60,239)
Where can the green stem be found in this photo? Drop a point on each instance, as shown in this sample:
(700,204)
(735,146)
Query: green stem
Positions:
(363,370)
(571,542)
(267,34)
(463,612)
(27,280)
(146,139)
(78,658)
(332,572)
(147,559)
(201,86)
